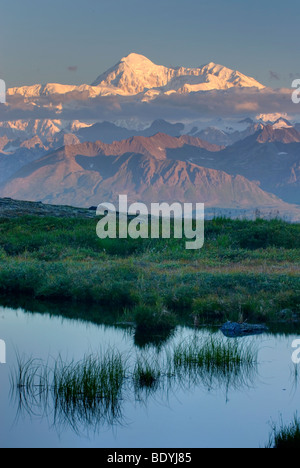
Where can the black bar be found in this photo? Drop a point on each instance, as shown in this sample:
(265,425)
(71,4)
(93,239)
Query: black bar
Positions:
(147,457)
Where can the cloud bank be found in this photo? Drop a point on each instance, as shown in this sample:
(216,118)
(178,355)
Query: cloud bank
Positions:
(217,103)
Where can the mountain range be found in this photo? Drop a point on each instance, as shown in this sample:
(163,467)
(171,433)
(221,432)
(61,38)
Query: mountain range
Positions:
(271,157)
(137,89)
(137,75)
(149,169)
(228,163)
(143,167)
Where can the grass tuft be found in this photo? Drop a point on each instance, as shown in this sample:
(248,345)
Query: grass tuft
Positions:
(285,436)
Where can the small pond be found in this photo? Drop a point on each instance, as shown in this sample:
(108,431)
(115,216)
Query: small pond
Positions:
(190,412)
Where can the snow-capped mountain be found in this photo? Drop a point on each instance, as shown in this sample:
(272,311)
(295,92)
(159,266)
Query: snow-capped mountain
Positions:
(282,123)
(153,132)
(44,128)
(136,74)
(278,120)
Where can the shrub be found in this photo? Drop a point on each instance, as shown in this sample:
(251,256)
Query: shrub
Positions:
(209,307)
(181,298)
(150,319)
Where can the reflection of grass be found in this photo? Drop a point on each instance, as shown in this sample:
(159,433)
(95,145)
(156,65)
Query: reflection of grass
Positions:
(85,392)
(214,362)
(212,353)
(286,436)
(90,380)
(152,339)
(29,374)
(89,393)
(150,319)
(146,374)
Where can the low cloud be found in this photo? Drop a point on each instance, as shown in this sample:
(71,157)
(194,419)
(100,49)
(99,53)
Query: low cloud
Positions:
(247,107)
(233,102)
(212,104)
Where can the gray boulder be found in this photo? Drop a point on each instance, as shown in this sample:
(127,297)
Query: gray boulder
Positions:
(234,329)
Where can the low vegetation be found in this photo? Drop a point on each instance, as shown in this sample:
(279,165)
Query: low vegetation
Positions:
(286,436)
(92,391)
(246,271)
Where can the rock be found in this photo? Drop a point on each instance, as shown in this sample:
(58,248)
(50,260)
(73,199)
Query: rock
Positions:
(285,312)
(15,208)
(234,329)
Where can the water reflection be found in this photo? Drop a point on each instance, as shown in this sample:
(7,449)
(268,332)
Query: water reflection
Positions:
(93,393)
(82,312)
(95,314)
(187,398)
(69,395)
(145,340)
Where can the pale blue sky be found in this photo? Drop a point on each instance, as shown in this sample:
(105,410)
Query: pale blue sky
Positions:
(73,41)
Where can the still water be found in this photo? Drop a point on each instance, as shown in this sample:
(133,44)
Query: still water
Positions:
(185,416)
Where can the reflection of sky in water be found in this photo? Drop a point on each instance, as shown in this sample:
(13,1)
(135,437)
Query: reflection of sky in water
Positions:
(193,418)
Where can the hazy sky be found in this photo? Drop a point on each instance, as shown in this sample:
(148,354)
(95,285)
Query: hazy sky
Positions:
(73,41)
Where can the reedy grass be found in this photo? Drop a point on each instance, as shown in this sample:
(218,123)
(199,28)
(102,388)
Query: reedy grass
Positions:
(214,362)
(285,436)
(212,353)
(87,392)
(90,380)
(146,374)
(90,392)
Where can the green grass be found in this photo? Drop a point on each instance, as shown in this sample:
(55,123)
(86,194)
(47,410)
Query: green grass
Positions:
(90,380)
(246,269)
(213,353)
(214,363)
(153,319)
(146,374)
(286,436)
(87,392)
(92,391)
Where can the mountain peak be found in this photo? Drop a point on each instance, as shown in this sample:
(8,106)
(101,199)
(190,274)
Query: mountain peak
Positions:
(212,65)
(282,123)
(270,134)
(135,59)
(136,74)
